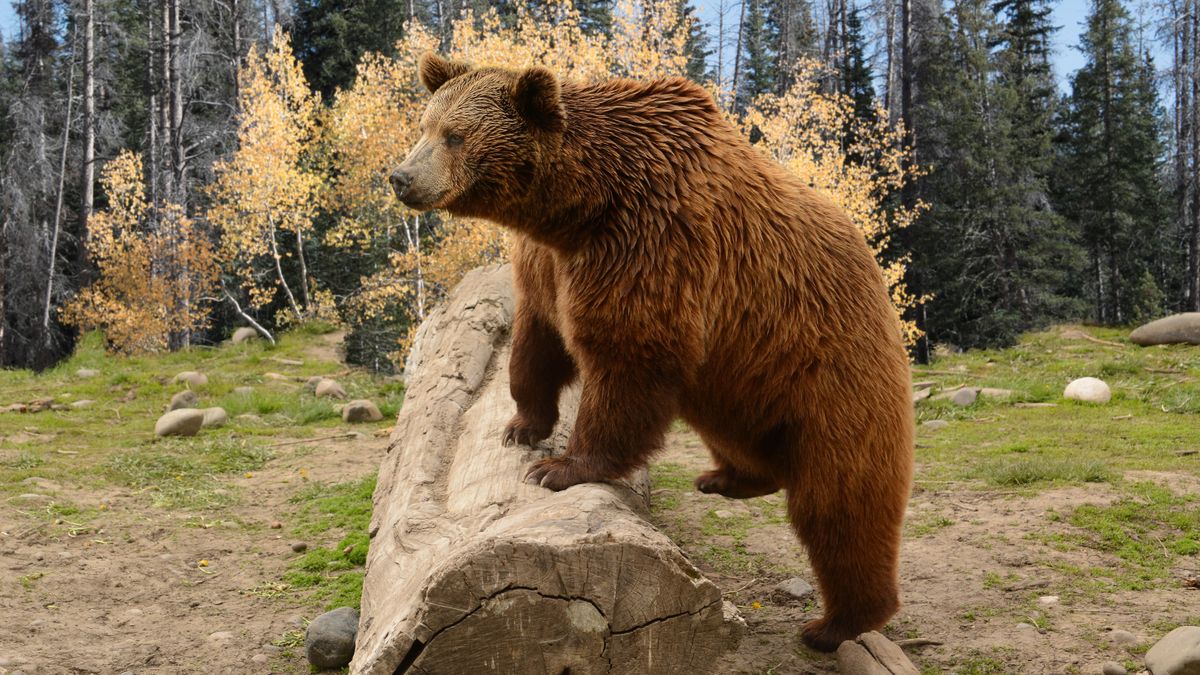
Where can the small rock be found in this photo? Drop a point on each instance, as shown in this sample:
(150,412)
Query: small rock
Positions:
(276,525)
(215,417)
(1089,390)
(192,379)
(934,425)
(220,636)
(795,588)
(331,389)
(299,547)
(259,658)
(312,382)
(1122,638)
(1113,668)
(243,334)
(184,399)
(182,422)
(83,403)
(964,397)
(86,372)
(277,377)
(1177,653)
(1026,626)
(243,391)
(921,394)
(723,514)
(361,410)
(329,641)
(992,392)
(1047,600)
(1178,329)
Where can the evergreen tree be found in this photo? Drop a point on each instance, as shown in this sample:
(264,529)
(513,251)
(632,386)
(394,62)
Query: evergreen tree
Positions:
(696,47)
(596,15)
(331,35)
(792,34)
(1108,184)
(758,63)
(857,80)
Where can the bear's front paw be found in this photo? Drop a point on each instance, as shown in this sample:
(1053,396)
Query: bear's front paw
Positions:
(824,635)
(520,432)
(558,473)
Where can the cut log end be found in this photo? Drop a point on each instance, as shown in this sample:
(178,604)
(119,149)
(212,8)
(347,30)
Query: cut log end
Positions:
(472,570)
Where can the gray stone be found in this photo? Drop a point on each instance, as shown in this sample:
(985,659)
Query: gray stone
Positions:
(243,334)
(795,588)
(921,394)
(83,403)
(1177,653)
(192,379)
(220,636)
(329,640)
(1122,638)
(935,425)
(215,417)
(312,382)
(361,410)
(184,399)
(299,547)
(964,397)
(259,659)
(1113,668)
(723,514)
(182,422)
(1088,390)
(86,372)
(331,389)
(1177,329)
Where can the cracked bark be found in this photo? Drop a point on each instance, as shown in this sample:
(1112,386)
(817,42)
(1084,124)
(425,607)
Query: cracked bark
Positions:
(472,570)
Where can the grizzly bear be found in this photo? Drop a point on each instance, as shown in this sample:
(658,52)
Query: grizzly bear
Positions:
(679,272)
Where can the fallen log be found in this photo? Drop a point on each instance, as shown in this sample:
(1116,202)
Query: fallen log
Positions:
(472,570)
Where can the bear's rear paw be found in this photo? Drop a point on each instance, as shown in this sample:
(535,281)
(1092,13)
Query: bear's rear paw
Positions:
(520,432)
(559,473)
(728,483)
(825,636)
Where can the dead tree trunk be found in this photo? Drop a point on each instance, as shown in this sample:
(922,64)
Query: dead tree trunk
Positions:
(473,571)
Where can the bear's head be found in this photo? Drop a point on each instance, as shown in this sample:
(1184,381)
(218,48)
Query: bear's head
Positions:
(485,136)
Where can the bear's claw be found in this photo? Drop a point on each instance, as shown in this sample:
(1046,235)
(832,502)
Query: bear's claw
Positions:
(556,473)
(519,432)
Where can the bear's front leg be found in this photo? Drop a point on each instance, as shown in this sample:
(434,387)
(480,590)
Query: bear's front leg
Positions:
(624,412)
(538,369)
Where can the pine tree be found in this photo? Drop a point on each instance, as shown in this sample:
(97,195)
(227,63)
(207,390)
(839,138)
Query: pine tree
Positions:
(792,34)
(1108,185)
(856,76)
(332,35)
(758,64)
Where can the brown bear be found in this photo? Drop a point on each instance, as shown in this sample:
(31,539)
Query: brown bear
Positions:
(679,272)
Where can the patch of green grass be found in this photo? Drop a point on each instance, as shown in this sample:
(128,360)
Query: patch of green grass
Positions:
(928,525)
(332,576)
(184,474)
(1148,530)
(980,663)
(671,476)
(1043,471)
(23,460)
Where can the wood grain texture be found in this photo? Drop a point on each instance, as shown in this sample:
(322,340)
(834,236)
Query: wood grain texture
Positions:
(472,570)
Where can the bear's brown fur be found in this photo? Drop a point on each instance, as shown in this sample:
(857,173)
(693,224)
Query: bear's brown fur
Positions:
(679,272)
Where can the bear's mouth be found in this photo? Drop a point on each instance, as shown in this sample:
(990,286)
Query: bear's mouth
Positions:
(421,202)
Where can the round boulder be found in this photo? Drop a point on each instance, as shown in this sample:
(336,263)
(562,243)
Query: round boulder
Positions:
(1089,390)
(243,334)
(1178,653)
(361,410)
(1172,330)
(184,399)
(329,640)
(215,417)
(331,389)
(192,379)
(182,422)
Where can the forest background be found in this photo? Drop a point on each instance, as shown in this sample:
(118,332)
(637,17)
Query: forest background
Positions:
(172,169)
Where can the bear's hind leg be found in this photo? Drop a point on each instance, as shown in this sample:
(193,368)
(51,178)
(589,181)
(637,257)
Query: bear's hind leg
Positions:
(854,548)
(538,370)
(734,484)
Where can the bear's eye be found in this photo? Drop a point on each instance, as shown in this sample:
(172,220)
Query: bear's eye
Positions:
(454,140)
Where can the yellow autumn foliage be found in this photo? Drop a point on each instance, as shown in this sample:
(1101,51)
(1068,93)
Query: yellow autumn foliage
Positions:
(155,268)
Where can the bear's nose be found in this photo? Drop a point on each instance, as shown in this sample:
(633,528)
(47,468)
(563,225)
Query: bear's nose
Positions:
(401,181)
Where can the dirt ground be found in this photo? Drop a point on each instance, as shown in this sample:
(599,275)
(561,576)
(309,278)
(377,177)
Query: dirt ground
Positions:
(130,594)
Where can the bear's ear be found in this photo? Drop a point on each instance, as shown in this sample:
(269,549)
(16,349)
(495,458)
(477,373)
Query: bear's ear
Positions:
(436,71)
(537,97)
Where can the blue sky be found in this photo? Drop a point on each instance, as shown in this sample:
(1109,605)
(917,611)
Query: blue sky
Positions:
(1068,14)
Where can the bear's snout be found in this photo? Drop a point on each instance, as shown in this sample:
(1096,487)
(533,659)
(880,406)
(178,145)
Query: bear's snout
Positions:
(401,180)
